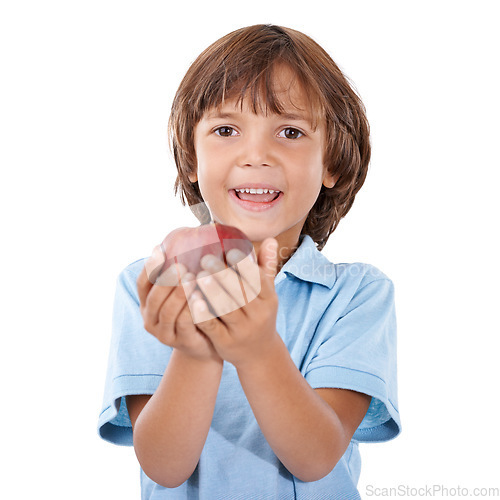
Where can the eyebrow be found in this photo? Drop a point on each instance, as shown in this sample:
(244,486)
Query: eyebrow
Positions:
(216,115)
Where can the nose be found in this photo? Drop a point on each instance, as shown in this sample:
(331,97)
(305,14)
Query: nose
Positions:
(256,150)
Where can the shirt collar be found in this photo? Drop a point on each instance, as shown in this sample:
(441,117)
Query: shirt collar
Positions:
(308,264)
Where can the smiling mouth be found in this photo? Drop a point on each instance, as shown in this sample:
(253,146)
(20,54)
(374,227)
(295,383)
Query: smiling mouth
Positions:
(257,195)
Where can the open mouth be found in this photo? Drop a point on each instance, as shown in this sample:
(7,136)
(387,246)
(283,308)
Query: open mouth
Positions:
(257,195)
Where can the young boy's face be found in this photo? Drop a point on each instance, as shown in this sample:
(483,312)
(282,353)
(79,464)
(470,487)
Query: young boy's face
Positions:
(236,148)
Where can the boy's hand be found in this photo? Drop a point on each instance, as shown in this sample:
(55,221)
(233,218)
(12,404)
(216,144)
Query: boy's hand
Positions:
(164,305)
(239,329)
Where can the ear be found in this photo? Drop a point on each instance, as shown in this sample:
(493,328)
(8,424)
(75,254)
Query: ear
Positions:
(330,180)
(193,177)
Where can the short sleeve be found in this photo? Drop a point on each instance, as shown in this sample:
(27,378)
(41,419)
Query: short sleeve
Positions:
(358,352)
(137,360)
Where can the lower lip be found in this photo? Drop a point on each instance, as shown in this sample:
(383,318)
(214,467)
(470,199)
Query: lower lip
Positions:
(254,206)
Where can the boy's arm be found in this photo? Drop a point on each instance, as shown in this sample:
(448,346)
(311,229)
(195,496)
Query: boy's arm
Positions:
(309,430)
(170,427)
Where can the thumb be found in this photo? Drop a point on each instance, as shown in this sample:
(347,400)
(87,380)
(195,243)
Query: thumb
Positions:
(268,257)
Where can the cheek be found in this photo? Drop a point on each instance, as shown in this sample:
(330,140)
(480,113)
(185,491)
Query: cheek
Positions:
(205,154)
(308,163)
(209,181)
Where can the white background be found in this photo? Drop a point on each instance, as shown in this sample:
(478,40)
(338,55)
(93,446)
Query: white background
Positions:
(86,188)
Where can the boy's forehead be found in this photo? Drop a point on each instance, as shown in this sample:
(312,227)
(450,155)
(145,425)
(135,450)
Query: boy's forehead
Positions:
(280,91)
(236,105)
(290,94)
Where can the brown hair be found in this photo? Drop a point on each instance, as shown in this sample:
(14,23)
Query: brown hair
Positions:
(241,64)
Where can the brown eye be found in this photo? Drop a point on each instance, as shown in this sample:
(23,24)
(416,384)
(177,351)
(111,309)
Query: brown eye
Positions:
(291,133)
(224,131)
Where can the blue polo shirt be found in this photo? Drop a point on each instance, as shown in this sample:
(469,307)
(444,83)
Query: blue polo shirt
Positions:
(338,322)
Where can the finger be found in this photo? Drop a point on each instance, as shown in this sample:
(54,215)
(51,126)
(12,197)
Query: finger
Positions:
(149,274)
(171,308)
(227,277)
(219,299)
(188,282)
(235,255)
(172,275)
(143,286)
(213,328)
(198,308)
(249,272)
(159,293)
(155,263)
(268,262)
(268,257)
(184,323)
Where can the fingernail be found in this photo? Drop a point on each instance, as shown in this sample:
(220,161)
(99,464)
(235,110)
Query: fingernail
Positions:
(187,277)
(200,305)
(209,260)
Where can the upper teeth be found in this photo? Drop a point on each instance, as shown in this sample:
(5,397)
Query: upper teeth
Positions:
(256,191)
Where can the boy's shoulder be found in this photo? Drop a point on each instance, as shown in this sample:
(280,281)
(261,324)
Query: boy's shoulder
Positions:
(127,279)
(134,268)
(362,280)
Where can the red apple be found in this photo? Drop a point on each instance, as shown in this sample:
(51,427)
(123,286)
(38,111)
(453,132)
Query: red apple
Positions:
(187,245)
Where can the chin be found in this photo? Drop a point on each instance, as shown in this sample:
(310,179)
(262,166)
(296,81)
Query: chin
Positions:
(256,236)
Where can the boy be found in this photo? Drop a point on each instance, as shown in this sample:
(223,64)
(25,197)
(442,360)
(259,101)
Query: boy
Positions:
(268,401)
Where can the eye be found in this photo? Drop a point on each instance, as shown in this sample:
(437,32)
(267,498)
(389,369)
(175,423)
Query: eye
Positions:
(291,133)
(225,131)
